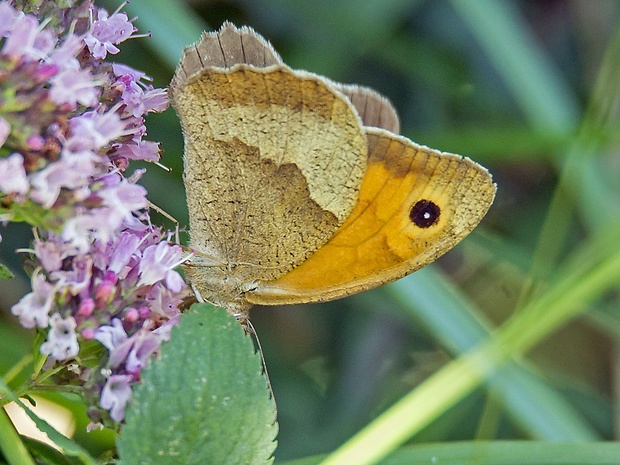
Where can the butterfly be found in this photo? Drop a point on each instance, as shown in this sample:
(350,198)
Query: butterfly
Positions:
(300,189)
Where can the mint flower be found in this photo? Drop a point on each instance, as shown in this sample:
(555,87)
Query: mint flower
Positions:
(158,263)
(106,32)
(115,395)
(73,87)
(13,179)
(26,40)
(33,309)
(70,123)
(112,335)
(61,341)
(5,129)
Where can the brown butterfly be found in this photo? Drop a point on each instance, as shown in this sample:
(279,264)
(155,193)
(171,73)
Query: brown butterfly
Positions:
(299,188)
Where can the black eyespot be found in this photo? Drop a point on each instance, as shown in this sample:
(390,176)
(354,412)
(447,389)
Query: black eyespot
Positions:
(424,213)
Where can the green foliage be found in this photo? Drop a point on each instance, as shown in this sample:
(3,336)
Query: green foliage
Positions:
(17,450)
(46,454)
(205,400)
(36,215)
(5,273)
(497,453)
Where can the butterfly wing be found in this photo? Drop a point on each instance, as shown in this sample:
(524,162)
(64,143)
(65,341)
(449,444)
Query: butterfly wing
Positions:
(375,110)
(274,160)
(415,204)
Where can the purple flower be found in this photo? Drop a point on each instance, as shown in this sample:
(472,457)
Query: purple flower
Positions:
(71,171)
(13,179)
(93,130)
(162,302)
(108,31)
(33,309)
(52,252)
(139,101)
(158,263)
(70,125)
(145,344)
(115,395)
(5,130)
(74,86)
(155,100)
(24,29)
(164,330)
(21,41)
(65,56)
(44,43)
(61,343)
(134,351)
(122,198)
(125,249)
(134,225)
(127,72)
(8,17)
(143,150)
(133,98)
(78,230)
(111,336)
(78,278)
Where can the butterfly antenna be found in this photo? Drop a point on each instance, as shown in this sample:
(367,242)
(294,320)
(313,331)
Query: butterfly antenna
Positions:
(168,216)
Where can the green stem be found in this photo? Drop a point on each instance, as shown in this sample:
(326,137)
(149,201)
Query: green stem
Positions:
(414,411)
(41,378)
(441,391)
(17,368)
(563,301)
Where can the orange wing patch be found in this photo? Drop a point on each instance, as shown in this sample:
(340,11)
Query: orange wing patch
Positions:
(415,204)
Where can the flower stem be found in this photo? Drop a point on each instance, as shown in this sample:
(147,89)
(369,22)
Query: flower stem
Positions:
(16,369)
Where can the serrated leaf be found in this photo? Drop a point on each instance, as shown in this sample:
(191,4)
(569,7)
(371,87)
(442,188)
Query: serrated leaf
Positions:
(204,401)
(5,273)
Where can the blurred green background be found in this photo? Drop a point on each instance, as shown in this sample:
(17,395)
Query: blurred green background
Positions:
(529,89)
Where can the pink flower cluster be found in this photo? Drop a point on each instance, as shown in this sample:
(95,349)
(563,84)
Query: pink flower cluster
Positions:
(69,124)
(123,292)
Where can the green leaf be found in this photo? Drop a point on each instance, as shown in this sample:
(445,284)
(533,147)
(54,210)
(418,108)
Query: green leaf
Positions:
(11,446)
(47,454)
(5,273)
(69,447)
(39,216)
(498,453)
(205,400)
